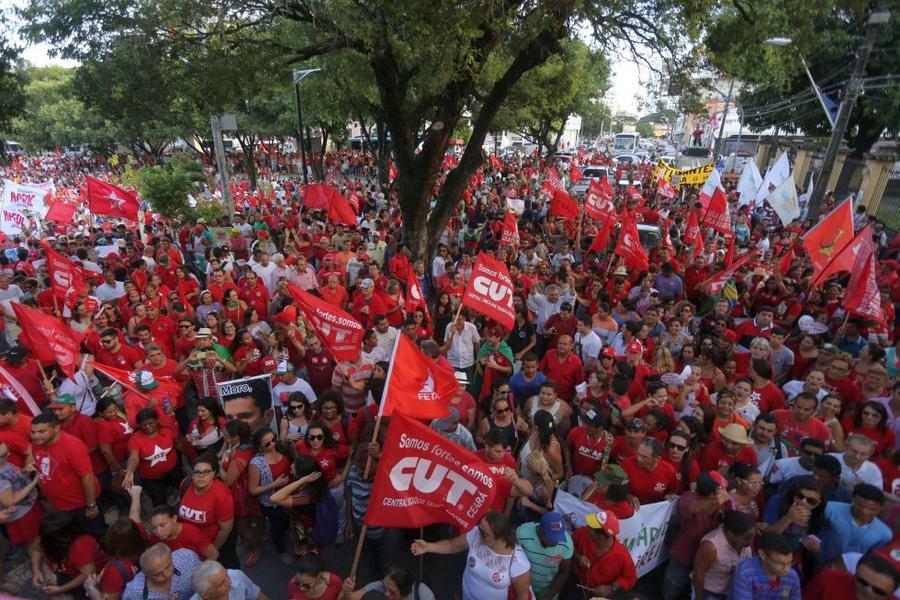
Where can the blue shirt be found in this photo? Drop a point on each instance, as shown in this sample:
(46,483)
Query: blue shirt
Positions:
(750,582)
(842,534)
(523,390)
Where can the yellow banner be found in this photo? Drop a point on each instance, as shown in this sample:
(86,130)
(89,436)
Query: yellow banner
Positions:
(665,171)
(695,176)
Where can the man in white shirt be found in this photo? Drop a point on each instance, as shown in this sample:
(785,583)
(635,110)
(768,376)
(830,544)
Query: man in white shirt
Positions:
(110,289)
(814,383)
(386,334)
(9,292)
(288,384)
(264,270)
(461,344)
(377,248)
(546,304)
(855,464)
(786,468)
(587,343)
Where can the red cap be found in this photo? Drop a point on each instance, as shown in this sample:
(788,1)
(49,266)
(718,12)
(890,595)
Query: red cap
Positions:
(112,256)
(262,233)
(635,347)
(608,351)
(729,335)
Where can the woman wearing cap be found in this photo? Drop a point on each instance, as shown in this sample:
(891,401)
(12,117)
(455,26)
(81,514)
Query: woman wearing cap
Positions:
(610,492)
(496,568)
(603,566)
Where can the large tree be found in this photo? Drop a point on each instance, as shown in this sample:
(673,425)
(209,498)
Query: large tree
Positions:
(427,60)
(12,82)
(827,33)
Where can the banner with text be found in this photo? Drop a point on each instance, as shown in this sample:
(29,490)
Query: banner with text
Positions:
(21,203)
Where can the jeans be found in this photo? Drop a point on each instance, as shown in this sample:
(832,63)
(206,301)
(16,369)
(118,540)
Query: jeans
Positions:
(676,580)
(279,525)
(228,557)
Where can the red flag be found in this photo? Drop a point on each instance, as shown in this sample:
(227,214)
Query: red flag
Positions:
(824,242)
(495,162)
(424,478)
(340,211)
(597,203)
(729,256)
(562,205)
(718,280)
(692,235)
(629,246)
(860,245)
(48,338)
(601,240)
(510,234)
(665,189)
(108,199)
(606,188)
(574,173)
(552,182)
(716,216)
(863,297)
(490,291)
(712,184)
(355,201)
(784,264)
(666,239)
(414,296)
(340,332)
(60,212)
(317,196)
(64,274)
(392,172)
(11,388)
(320,196)
(167,387)
(416,385)
(632,192)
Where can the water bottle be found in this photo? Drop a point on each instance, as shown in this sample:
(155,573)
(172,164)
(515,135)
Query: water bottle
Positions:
(166,404)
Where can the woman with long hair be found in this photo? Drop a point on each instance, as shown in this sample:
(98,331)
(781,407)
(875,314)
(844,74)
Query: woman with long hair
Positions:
(680,453)
(270,470)
(541,438)
(81,317)
(258,328)
(19,501)
(234,459)
(187,287)
(233,307)
(248,354)
(871,420)
(205,431)
(798,512)
(295,421)
(69,553)
(320,445)
(830,413)
(229,337)
(748,482)
(124,542)
(299,498)
(207,503)
(312,581)
(443,314)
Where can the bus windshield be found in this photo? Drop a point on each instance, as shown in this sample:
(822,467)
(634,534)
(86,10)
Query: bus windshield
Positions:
(625,142)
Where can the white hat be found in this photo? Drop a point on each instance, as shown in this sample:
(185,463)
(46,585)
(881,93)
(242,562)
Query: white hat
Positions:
(461,377)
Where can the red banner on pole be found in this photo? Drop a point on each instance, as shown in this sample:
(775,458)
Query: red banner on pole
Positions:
(48,338)
(490,291)
(424,478)
(107,199)
(416,385)
(340,332)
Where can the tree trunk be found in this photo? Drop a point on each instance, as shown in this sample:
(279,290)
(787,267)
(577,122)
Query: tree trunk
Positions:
(381,157)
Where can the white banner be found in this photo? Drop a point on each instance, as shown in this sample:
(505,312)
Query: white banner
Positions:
(20,204)
(783,201)
(516,205)
(644,534)
(778,172)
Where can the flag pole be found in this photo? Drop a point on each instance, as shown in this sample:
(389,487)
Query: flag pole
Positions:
(359,547)
(384,392)
(815,281)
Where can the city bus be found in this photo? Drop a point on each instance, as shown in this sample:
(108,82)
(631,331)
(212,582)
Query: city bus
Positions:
(626,142)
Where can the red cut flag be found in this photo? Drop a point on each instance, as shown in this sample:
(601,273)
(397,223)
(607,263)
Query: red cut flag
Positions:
(597,203)
(665,189)
(863,297)
(60,212)
(574,173)
(606,188)
(784,263)
(562,205)
(632,193)
(424,478)
(860,245)
(108,199)
(340,332)
(490,291)
(551,181)
(692,235)
(717,217)
(64,274)
(416,385)
(510,233)
(824,242)
(718,280)
(629,246)
(48,338)
(414,296)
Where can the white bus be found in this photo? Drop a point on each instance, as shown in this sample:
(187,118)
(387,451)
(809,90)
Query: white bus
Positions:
(626,142)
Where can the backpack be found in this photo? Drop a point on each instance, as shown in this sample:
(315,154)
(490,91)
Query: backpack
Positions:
(325,531)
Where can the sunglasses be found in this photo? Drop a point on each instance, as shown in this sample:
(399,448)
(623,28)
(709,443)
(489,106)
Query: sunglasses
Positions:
(677,446)
(810,501)
(314,438)
(860,581)
(501,411)
(296,406)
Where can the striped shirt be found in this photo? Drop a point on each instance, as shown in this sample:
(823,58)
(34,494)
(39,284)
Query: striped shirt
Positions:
(545,560)
(360,491)
(750,582)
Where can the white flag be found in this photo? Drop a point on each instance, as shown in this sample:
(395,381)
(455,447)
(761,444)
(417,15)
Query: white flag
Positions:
(783,201)
(780,171)
(516,205)
(805,196)
(748,183)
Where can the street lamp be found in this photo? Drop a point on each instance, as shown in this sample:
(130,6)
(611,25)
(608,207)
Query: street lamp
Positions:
(299,75)
(780,42)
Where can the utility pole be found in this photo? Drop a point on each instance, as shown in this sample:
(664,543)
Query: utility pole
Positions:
(720,143)
(879,17)
(299,74)
(221,161)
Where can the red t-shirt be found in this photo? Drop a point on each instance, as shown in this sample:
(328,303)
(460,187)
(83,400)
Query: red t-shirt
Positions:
(327,458)
(61,465)
(848,391)
(566,373)
(83,551)
(504,485)
(116,433)
(616,566)
(650,486)
(125,358)
(767,398)
(714,456)
(189,537)
(207,510)
(156,455)
(831,584)
(693,473)
(22,426)
(793,432)
(17,446)
(85,429)
(587,453)
(621,449)
(111,580)
(747,330)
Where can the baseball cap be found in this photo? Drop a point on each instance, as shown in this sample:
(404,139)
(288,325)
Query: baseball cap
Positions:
(635,347)
(603,520)
(16,353)
(145,380)
(366,283)
(283,367)
(608,351)
(204,332)
(565,306)
(445,422)
(612,475)
(63,400)
(268,364)
(553,528)
(710,482)
(592,417)
(634,424)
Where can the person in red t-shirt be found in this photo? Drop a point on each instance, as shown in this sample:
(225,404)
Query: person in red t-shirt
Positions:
(255,294)
(587,445)
(766,395)
(26,372)
(14,421)
(650,479)
(167,529)
(610,492)
(81,426)
(114,353)
(207,504)
(602,564)
(625,446)
(798,423)
(839,381)
(734,445)
(759,326)
(564,367)
(505,471)
(64,466)
(72,563)
(875,578)
(153,456)
(366,304)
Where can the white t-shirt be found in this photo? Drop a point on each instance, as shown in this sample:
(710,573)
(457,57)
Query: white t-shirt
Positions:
(106,292)
(794,387)
(386,340)
(282,391)
(488,575)
(867,473)
(461,353)
(785,468)
(590,346)
(376,355)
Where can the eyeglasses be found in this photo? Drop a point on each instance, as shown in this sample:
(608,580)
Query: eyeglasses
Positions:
(677,446)
(296,406)
(202,472)
(811,501)
(861,581)
(314,438)
(501,411)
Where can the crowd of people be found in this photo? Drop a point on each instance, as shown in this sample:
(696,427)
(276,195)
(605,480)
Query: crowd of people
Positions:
(771,416)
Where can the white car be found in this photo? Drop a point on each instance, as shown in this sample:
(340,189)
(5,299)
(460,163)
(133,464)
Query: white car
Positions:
(627,159)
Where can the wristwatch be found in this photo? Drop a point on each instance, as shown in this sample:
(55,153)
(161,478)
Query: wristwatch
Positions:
(91,506)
